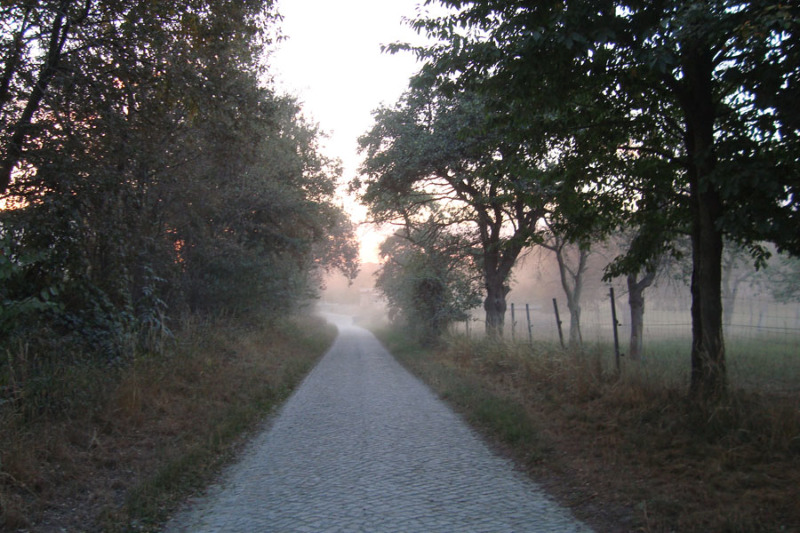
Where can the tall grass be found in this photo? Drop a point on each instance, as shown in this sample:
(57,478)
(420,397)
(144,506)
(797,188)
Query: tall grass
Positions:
(762,341)
(757,365)
(138,438)
(630,451)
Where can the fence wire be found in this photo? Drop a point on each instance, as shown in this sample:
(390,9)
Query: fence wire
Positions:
(762,336)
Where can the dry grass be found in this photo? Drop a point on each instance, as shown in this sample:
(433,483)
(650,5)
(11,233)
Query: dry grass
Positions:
(145,437)
(629,453)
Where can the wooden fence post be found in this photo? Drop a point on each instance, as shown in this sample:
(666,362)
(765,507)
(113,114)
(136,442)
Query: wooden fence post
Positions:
(513,324)
(615,324)
(530,330)
(558,323)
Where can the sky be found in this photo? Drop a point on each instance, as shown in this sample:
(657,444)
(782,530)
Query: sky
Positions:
(332,62)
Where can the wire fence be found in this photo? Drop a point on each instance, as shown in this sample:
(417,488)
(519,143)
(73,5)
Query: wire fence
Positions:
(762,336)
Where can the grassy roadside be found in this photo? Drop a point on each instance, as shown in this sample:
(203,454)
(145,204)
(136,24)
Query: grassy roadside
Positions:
(145,438)
(627,454)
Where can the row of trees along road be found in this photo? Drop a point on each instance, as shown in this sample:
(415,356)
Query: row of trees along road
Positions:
(664,118)
(147,168)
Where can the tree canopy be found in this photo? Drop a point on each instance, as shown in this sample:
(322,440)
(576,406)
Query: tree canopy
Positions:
(147,169)
(431,151)
(676,115)
(429,278)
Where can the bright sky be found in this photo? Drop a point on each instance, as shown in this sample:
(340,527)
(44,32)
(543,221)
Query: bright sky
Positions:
(332,61)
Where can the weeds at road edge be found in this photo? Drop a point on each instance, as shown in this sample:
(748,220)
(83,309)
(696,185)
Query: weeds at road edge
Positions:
(626,452)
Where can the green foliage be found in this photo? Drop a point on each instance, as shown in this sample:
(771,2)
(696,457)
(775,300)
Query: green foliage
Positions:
(784,278)
(673,117)
(433,152)
(614,101)
(150,172)
(427,279)
(19,300)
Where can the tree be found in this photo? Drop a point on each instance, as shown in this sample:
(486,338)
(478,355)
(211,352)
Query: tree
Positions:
(255,213)
(638,280)
(572,265)
(636,288)
(428,151)
(701,88)
(785,279)
(737,268)
(427,279)
(58,52)
(149,167)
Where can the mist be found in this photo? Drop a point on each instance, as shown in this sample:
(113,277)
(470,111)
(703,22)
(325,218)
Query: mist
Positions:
(755,316)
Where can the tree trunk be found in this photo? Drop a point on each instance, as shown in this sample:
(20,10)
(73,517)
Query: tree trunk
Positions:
(729,304)
(575,337)
(13,57)
(636,290)
(572,283)
(498,260)
(495,305)
(731,281)
(59,30)
(708,378)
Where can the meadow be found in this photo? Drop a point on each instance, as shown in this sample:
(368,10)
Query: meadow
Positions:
(762,338)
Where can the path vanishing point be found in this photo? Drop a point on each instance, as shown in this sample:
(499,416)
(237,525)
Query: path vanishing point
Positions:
(363,446)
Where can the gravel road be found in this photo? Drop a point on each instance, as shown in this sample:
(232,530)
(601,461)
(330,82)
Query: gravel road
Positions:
(364,446)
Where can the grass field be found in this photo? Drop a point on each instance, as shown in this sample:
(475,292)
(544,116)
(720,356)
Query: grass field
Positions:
(755,364)
(762,341)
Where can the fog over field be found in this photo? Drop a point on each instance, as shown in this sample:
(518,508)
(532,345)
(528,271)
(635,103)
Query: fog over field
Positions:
(757,320)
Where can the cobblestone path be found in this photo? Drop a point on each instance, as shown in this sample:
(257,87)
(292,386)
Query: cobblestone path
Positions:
(363,446)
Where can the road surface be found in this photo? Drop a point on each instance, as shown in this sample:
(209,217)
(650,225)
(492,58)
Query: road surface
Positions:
(363,446)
